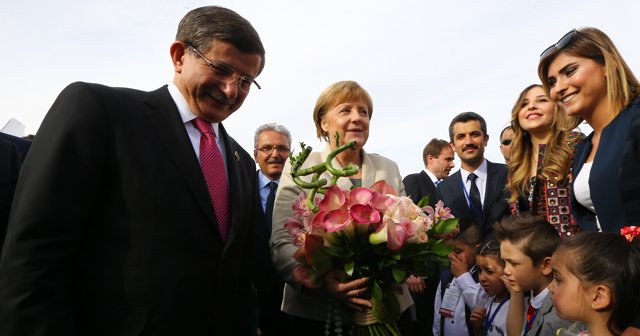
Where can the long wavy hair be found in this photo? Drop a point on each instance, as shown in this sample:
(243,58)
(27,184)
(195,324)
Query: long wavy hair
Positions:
(592,43)
(558,155)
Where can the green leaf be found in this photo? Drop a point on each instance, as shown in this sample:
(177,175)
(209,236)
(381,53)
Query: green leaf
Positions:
(446,226)
(348,268)
(399,274)
(441,249)
(423,201)
(376,292)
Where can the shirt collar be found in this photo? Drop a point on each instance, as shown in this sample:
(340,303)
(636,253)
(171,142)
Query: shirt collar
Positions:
(183,107)
(481,172)
(263,180)
(432,176)
(536,301)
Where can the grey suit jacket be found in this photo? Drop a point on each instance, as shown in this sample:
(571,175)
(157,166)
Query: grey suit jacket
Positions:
(547,321)
(299,300)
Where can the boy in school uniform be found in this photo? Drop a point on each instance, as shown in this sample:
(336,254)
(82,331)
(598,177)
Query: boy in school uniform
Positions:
(451,315)
(526,245)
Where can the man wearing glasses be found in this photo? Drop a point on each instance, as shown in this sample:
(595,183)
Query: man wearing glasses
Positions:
(272,145)
(134,212)
(506,136)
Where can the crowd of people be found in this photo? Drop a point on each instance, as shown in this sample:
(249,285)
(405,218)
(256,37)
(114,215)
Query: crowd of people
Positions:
(136,213)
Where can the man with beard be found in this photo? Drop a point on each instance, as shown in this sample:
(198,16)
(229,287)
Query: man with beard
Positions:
(272,145)
(476,191)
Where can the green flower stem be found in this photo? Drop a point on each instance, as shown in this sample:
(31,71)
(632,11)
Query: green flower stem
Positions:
(317,184)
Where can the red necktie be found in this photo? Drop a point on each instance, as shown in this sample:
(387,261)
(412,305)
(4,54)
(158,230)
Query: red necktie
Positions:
(531,312)
(215,175)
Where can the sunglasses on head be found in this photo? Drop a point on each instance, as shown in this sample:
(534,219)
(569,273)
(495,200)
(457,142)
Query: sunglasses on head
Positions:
(506,142)
(565,40)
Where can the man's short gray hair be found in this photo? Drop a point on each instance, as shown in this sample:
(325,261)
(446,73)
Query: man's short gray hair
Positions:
(271,127)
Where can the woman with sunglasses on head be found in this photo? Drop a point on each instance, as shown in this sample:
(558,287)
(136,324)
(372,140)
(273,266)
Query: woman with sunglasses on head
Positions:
(541,152)
(588,78)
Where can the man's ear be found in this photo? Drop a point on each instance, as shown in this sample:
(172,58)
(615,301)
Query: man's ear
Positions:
(177,51)
(600,297)
(545,266)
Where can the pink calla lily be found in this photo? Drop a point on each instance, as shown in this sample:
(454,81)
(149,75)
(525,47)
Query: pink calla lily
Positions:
(333,199)
(396,236)
(360,196)
(336,220)
(364,214)
(384,188)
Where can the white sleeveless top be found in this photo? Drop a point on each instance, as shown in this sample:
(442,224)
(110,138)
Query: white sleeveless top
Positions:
(581,189)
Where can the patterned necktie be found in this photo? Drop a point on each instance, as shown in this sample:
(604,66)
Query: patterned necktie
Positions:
(268,211)
(474,194)
(215,174)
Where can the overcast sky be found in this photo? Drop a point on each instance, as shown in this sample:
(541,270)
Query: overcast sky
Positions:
(422,61)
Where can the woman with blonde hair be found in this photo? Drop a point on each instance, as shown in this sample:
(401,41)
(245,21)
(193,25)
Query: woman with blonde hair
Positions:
(588,78)
(344,108)
(541,153)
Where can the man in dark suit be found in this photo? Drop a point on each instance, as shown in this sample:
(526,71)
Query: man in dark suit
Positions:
(9,167)
(477,190)
(117,228)
(272,145)
(438,158)
(21,144)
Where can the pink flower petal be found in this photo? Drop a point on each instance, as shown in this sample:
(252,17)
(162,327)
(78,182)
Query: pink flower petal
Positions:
(384,188)
(336,220)
(333,199)
(360,196)
(364,214)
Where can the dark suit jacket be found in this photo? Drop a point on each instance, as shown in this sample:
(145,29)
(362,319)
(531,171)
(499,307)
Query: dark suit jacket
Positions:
(113,231)
(614,181)
(21,144)
(495,200)
(419,185)
(9,167)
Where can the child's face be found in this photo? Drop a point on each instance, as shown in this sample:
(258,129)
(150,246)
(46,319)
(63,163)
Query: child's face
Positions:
(520,270)
(569,296)
(490,271)
(469,252)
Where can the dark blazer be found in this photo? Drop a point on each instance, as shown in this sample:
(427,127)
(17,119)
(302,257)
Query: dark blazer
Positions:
(9,167)
(495,200)
(21,144)
(269,285)
(614,180)
(419,185)
(113,231)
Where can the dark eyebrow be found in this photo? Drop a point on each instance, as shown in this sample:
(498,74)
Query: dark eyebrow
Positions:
(565,68)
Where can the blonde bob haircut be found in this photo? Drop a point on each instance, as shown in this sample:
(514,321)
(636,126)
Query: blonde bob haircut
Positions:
(338,93)
(592,43)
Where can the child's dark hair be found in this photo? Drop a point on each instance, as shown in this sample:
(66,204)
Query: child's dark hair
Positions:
(491,248)
(469,234)
(608,259)
(539,239)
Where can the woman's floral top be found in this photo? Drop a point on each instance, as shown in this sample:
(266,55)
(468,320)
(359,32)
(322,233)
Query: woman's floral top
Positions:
(550,199)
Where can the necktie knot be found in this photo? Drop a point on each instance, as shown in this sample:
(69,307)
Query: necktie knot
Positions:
(203,126)
(273,186)
(472,177)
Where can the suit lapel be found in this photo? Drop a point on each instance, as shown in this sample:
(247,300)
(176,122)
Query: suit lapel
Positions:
(166,122)
(235,198)
(492,185)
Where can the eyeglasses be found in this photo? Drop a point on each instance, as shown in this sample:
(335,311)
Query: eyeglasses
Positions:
(506,142)
(223,72)
(564,41)
(267,149)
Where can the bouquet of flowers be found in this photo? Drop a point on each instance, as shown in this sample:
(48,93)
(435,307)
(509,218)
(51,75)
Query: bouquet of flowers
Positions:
(367,232)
